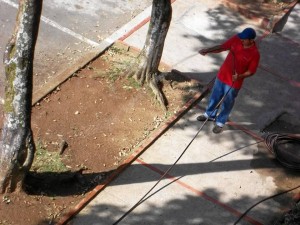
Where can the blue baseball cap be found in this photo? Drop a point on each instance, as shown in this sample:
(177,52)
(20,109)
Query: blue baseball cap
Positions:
(247,33)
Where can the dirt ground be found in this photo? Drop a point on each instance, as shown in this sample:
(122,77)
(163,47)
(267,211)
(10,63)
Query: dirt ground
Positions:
(256,8)
(92,122)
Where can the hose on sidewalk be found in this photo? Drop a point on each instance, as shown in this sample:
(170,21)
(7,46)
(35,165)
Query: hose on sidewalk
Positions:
(286,149)
(272,146)
(171,167)
(265,199)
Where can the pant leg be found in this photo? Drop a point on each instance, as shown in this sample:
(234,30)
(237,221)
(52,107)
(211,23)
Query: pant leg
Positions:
(215,97)
(227,105)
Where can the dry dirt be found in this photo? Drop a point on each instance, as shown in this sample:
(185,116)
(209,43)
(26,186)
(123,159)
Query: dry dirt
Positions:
(94,119)
(257,8)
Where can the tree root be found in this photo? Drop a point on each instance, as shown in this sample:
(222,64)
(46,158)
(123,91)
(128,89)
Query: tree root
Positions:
(159,95)
(143,75)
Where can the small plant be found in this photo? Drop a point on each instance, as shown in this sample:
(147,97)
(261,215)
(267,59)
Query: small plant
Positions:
(168,114)
(133,83)
(119,67)
(113,50)
(115,72)
(120,62)
(45,161)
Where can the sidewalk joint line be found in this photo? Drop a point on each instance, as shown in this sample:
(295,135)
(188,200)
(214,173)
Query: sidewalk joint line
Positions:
(281,77)
(199,193)
(288,39)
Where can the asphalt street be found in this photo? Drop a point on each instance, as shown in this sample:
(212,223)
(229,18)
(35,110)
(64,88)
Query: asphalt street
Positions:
(69,31)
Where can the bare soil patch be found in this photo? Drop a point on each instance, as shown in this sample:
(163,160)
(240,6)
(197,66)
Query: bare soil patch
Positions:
(88,125)
(260,8)
(83,131)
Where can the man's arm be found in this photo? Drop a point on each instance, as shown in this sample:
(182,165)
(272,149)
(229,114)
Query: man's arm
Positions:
(214,49)
(220,48)
(236,76)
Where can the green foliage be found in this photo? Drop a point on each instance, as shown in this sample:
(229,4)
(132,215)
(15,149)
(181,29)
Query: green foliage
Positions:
(45,161)
(120,61)
(168,114)
(133,83)
(116,71)
(114,50)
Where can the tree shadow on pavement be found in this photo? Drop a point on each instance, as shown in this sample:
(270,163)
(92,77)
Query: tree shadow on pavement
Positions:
(185,209)
(203,206)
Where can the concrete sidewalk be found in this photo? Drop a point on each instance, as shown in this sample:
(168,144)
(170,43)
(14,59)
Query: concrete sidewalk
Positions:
(220,176)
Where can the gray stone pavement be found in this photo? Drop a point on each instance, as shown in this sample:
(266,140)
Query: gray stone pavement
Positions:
(220,176)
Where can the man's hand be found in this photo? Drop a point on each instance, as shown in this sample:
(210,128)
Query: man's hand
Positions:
(203,51)
(235,77)
(214,49)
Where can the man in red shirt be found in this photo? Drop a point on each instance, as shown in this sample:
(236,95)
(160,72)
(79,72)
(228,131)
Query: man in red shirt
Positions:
(240,63)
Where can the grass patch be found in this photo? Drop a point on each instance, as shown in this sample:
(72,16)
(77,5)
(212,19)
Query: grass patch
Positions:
(45,161)
(121,60)
(131,82)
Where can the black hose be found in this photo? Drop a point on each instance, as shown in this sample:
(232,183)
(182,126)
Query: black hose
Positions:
(165,173)
(284,147)
(171,167)
(265,199)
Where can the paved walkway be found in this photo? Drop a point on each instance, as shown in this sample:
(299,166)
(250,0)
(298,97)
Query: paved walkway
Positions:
(220,176)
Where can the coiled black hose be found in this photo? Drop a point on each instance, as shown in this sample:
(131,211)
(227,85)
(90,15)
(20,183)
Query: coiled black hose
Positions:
(286,149)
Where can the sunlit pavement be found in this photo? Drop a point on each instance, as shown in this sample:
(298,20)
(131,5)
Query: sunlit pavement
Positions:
(220,176)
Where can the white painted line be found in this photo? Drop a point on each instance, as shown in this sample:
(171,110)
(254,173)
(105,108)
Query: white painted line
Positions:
(10,3)
(59,27)
(109,40)
(68,31)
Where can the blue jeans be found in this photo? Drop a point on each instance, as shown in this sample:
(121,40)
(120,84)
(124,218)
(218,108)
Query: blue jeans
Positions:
(218,91)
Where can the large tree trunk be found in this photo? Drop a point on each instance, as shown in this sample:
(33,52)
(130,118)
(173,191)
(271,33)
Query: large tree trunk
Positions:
(149,59)
(17,145)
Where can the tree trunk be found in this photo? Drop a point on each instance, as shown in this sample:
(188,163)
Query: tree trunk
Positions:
(149,59)
(17,145)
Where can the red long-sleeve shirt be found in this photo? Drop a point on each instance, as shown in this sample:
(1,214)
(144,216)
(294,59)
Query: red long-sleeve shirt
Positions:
(239,59)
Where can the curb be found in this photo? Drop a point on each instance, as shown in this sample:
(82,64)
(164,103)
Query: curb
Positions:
(64,75)
(120,35)
(263,22)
